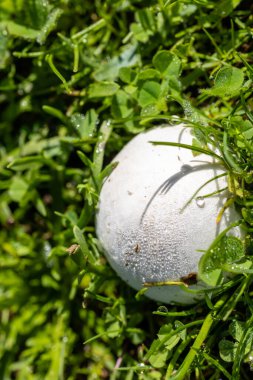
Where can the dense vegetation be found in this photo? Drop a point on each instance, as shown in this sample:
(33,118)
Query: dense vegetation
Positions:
(77,80)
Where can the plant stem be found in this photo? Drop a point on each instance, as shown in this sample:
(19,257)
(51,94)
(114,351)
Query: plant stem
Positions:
(208,322)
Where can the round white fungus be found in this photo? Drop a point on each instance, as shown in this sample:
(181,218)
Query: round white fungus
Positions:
(148,229)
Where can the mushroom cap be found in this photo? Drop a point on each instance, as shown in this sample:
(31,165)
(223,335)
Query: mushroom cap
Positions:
(147,233)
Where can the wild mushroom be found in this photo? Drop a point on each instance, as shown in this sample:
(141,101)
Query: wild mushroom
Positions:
(150,228)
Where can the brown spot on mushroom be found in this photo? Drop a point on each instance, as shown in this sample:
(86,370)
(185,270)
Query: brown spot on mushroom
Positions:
(189,279)
(137,248)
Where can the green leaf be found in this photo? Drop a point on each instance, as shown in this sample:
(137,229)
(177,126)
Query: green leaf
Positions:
(85,159)
(29,33)
(121,106)
(107,171)
(236,329)
(55,112)
(247,214)
(182,334)
(171,341)
(167,63)
(150,110)
(85,124)
(4,52)
(40,206)
(248,134)
(29,162)
(245,265)
(18,189)
(102,89)
(149,93)
(149,74)
(139,33)
(227,250)
(224,8)
(227,350)
(109,71)
(69,215)
(228,82)
(83,244)
(159,354)
(98,156)
(77,256)
(19,30)
(127,75)
(113,330)
(50,25)
(146,17)
(37,12)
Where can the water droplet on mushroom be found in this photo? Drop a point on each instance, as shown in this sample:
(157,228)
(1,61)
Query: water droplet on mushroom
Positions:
(143,280)
(200,201)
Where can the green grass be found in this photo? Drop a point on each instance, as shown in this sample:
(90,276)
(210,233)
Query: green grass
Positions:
(78,79)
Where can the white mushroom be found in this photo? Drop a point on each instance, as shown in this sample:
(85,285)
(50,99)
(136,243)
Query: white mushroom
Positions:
(146,231)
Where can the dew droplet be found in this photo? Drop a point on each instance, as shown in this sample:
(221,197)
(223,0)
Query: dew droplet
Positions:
(143,280)
(141,365)
(200,202)
(100,147)
(47,249)
(162,309)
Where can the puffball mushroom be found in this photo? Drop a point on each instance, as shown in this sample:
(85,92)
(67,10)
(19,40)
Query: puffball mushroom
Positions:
(147,230)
